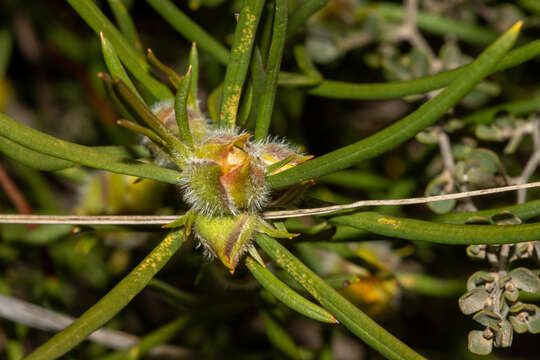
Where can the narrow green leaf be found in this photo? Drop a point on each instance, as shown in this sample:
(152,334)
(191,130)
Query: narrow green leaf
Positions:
(515,107)
(349,315)
(390,90)
(239,59)
(174,77)
(434,24)
(347,90)
(450,234)
(279,337)
(431,286)
(531,5)
(245,106)
(194,63)
(341,281)
(142,130)
(84,155)
(304,62)
(286,295)
(266,105)
(302,13)
(157,337)
(357,180)
(407,127)
(266,29)
(113,97)
(288,79)
(134,62)
(181,111)
(173,293)
(125,23)
(189,29)
(176,149)
(109,305)
(278,165)
(214,100)
(257,82)
(524,211)
(30,158)
(115,66)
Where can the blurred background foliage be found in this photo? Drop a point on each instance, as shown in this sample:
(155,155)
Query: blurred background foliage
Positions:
(49,59)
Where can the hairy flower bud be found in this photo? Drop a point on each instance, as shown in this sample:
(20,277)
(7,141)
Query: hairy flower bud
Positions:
(272,152)
(198,125)
(224,177)
(226,237)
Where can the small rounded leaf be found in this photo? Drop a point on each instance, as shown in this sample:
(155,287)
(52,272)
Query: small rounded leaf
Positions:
(473,301)
(440,186)
(507,334)
(478,344)
(479,278)
(488,319)
(485,132)
(519,324)
(524,279)
(512,295)
(427,137)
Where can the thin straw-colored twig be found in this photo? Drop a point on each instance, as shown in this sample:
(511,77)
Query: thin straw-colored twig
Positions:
(165,219)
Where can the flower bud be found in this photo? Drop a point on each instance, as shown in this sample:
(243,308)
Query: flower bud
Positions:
(198,125)
(226,237)
(273,152)
(224,177)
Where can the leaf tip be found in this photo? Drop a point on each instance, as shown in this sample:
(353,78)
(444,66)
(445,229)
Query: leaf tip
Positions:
(517,26)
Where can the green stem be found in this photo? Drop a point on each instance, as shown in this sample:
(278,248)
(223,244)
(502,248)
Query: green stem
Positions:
(84,155)
(348,314)
(239,59)
(109,305)
(266,105)
(407,127)
(449,234)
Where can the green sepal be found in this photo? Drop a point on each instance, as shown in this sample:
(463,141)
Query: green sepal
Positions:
(269,230)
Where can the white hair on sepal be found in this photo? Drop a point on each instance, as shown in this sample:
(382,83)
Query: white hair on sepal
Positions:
(155,107)
(207,250)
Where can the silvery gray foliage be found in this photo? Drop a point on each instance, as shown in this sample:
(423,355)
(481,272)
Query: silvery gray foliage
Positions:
(493,296)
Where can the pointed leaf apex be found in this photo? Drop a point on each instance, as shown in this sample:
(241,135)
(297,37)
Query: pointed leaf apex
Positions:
(517,26)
